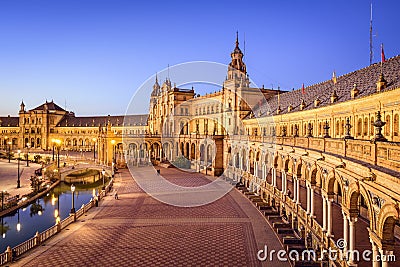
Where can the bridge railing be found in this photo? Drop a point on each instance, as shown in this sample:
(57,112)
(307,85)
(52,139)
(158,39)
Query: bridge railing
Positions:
(10,254)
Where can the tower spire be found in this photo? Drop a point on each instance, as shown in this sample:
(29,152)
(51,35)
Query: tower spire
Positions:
(237,39)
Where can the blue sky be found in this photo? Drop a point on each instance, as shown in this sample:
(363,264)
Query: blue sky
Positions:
(94,54)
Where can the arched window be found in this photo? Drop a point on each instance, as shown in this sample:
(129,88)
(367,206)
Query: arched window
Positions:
(365,126)
(396,125)
(337,128)
(372,127)
(387,126)
(359,127)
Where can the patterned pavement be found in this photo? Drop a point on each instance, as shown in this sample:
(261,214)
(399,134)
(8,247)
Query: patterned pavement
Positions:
(137,230)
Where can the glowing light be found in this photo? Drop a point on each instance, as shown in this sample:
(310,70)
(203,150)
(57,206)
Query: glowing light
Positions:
(18,227)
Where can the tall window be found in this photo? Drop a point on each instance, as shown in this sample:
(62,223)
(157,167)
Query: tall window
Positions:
(387,126)
(396,125)
(365,126)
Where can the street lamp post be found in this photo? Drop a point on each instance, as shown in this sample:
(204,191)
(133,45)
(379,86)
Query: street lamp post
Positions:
(73,198)
(57,143)
(27,154)
(9,151)
(2,200)
(103,172)
(5,142)
(113,157)
(58,156)
(52,142)
(94,149)
(19,175)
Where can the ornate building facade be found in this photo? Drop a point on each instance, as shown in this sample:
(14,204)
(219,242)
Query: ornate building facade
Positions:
(326,157)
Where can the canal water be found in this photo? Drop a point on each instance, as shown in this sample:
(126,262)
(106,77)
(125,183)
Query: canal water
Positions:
(40,215)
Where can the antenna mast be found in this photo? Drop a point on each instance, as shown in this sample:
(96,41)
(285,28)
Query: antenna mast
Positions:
(371,53)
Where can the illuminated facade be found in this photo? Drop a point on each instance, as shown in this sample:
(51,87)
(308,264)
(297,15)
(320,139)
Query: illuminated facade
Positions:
(327,157)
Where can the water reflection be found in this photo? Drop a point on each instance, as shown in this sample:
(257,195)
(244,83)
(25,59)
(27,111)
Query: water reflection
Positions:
(43,213)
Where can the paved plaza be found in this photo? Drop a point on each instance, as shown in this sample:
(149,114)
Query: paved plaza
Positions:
(9,176)
(137,230)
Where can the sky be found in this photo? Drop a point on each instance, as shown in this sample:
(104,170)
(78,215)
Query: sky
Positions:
(92,55)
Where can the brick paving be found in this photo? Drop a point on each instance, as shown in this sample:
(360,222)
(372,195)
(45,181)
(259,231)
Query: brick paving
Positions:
(137,230)
(9,176)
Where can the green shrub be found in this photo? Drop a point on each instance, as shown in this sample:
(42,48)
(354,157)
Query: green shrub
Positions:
(181,162)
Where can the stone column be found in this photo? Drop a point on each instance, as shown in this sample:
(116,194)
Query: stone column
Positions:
(329,215)
(298,191)
(352,238)
(262,171)
(345,231)
(386,257)
(375,262)
(323,213)
(294,187)
(308,199)
(273,177)
(283,174)
(311,201)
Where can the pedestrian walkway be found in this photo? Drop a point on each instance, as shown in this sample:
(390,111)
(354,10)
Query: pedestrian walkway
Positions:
(9,177)
(137,230)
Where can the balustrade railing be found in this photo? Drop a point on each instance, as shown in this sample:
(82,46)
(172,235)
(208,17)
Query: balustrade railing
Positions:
(39,238)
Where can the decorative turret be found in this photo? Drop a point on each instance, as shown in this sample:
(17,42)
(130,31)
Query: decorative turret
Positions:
(302,105)
(334,96)
(156,88)
(316,102)
(354,91)
(381,84)
(22,107)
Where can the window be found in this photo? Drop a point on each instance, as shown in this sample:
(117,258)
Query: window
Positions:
(396,125)
(387,126)
(365,126)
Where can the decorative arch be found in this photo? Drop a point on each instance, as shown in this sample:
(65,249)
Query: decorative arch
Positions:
(387,218)
(312,177)
(354,192)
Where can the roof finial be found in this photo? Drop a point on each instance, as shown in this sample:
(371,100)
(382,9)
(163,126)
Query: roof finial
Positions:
(237,38)
(156,78)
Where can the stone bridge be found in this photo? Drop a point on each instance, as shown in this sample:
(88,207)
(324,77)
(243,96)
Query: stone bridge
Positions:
(83,166)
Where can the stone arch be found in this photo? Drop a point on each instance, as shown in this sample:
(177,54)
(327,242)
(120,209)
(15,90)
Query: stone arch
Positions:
(388,216)
(354,192)
(319,178)
(312,177)
(285,164)
(298,168)
(276,161)
(334,186)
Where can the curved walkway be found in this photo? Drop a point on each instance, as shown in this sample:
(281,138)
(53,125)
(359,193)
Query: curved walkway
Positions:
(137,230)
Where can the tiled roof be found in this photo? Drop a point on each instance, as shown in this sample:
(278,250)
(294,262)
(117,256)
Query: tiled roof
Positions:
(365,80)
(9,121)
(96,121)
(50,106)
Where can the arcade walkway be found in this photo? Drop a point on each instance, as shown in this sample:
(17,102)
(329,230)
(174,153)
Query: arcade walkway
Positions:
(137,230)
